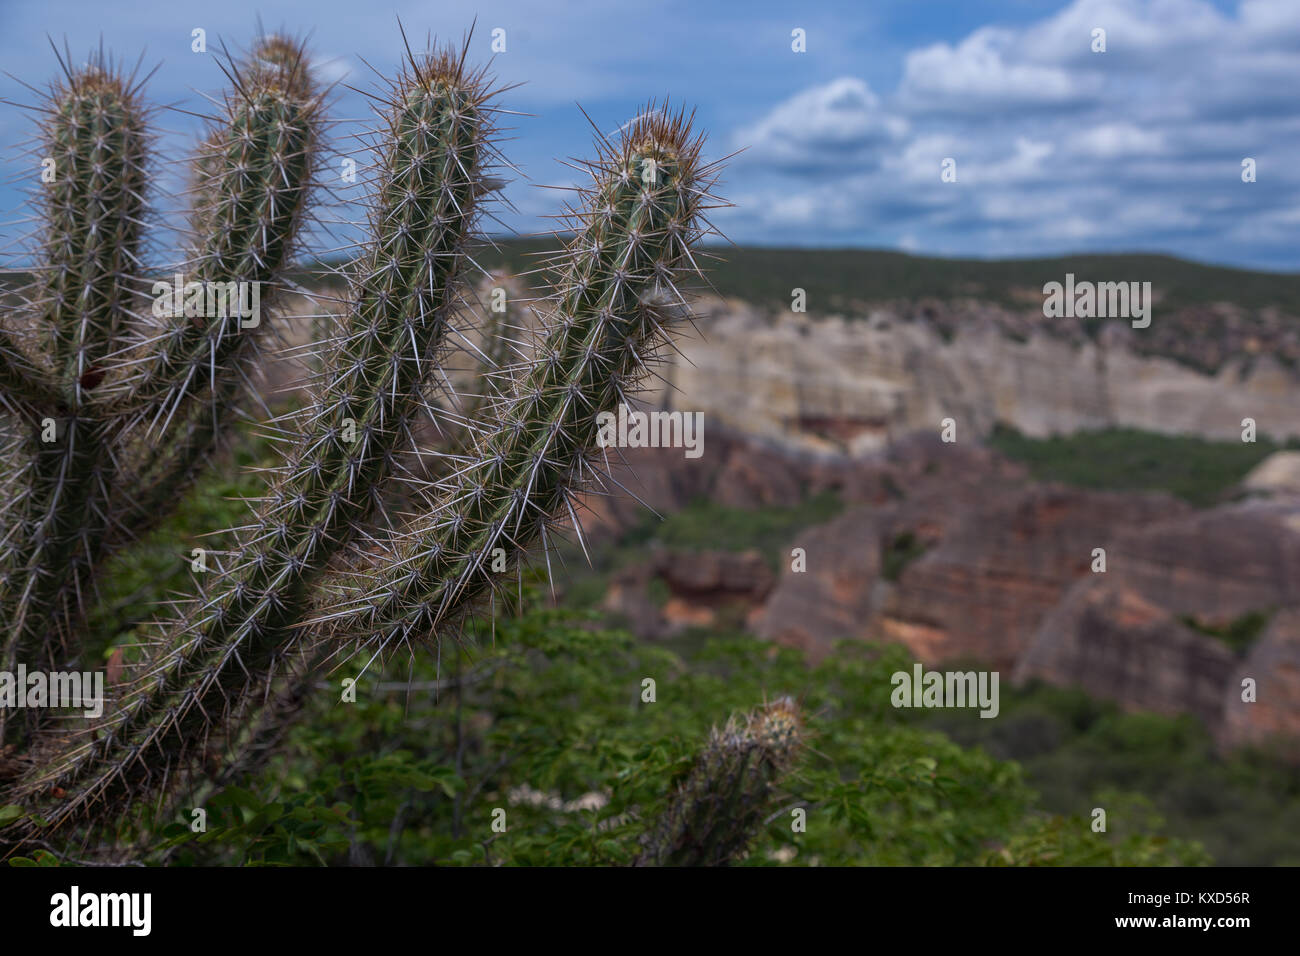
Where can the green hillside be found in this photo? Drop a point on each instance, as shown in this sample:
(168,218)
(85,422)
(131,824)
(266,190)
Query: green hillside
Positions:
(836,278)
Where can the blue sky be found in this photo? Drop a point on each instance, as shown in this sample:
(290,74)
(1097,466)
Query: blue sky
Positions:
(1057,148)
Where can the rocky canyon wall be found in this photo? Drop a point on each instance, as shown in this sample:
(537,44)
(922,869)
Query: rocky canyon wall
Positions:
(837,385)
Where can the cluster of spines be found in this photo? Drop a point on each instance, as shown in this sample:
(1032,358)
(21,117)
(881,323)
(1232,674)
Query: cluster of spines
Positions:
(721,804)
(375,376)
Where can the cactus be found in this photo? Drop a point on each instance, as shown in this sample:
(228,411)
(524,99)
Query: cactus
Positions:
(373,382)
(617,297)
(96,137)
(720,805)
(99,450)
(319,570)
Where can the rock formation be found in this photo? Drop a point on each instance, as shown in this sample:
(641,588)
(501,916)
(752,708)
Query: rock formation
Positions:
(835,385)
(955,553)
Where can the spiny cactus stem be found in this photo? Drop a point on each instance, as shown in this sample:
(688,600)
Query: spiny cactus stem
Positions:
(406,288)
(96,134)
(712,816)
(98,139)
(639,223)
(254,177)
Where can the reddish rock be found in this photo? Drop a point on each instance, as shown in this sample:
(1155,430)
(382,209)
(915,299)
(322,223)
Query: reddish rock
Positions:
(1274,664)
(1116,644)
(702,586)
(1004,574)
(834,597)
(1008,558)
(1215,564)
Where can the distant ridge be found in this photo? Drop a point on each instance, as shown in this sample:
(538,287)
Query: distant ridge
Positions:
(837,278)
(840,279)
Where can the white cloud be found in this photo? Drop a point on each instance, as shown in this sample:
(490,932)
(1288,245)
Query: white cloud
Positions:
(986,71)
(919,160)
(1025,163)
(1058,148)
(1134,29)
(840,124)
(1111,140)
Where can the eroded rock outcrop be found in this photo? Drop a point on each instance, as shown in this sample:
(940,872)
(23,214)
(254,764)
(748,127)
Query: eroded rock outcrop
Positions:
(1114,643)
(1273,664)
(956,554)
(698,589)
(1278,474)
(1216,564)
(983,590)
(837,594)
(836,385)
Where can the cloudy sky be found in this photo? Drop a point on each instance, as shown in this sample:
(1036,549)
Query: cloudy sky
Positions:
(1057,148)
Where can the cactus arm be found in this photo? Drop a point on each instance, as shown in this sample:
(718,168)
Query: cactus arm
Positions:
(617,298)
(406,290)
(713,815)
(254,176)
(96,132)
(98,137)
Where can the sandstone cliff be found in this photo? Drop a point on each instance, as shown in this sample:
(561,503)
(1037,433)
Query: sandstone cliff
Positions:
(850,385)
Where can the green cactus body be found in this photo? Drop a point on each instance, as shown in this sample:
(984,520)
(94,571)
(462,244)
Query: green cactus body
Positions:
(97,135)
(611,315)
(88,490)
(254,176)
(715,812)
(377,371)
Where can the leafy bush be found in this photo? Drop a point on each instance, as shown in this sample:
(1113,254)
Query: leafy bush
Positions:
(1079,752)
(550,726)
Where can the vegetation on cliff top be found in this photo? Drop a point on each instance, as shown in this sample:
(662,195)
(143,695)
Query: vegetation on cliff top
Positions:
(1200,472)
(837,278)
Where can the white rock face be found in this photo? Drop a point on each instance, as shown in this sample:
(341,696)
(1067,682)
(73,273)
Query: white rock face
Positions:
(831,385)
(1278,474)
